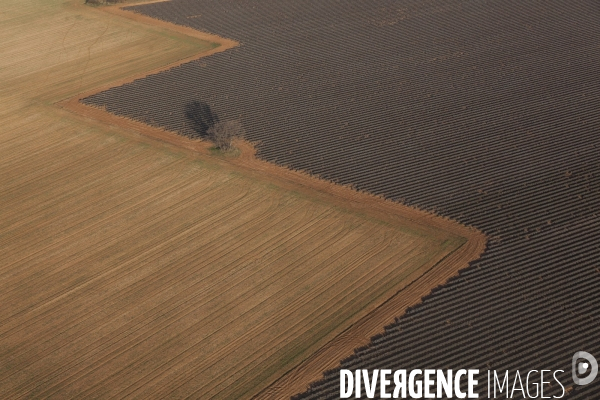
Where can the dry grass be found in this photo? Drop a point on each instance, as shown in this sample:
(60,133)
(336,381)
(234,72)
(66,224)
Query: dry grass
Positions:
(131,268)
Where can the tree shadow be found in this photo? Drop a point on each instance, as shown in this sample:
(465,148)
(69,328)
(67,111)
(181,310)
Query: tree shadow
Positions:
(201,116)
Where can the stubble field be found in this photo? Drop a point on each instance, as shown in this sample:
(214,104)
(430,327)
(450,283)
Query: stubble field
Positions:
(485,111)
(134,268)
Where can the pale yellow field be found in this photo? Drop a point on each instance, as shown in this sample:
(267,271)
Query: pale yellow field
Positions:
(134,269)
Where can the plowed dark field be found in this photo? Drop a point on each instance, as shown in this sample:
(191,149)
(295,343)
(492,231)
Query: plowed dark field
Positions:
(487,112)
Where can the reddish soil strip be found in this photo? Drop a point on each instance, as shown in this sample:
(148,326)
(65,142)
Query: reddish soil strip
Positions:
(358,334)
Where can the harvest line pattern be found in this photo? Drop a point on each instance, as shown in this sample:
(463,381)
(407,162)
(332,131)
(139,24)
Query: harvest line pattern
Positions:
(146,290)
(484,111)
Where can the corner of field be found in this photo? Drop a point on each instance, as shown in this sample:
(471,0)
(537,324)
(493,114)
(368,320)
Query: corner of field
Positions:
(451,246)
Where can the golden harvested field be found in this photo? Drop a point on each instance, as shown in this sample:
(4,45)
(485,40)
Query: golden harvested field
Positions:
(134,268)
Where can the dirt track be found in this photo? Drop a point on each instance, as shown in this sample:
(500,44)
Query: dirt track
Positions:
(141,267)
(495,126)
(359,334)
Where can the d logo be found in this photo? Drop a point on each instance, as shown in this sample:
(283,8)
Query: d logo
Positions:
(582,363)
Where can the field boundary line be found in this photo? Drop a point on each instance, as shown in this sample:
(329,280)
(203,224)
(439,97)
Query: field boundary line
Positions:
(75,105)
(358,334)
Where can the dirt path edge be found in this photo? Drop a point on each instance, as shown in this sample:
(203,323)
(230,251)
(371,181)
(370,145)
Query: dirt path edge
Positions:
(360,333)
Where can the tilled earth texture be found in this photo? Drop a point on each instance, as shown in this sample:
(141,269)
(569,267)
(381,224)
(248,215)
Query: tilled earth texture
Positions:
(134,268)
(487,112)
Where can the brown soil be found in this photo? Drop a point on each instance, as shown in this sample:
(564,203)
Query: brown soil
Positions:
(136,263)
(223,43)
(359,334)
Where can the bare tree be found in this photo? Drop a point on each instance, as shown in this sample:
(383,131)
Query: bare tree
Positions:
(223,133)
